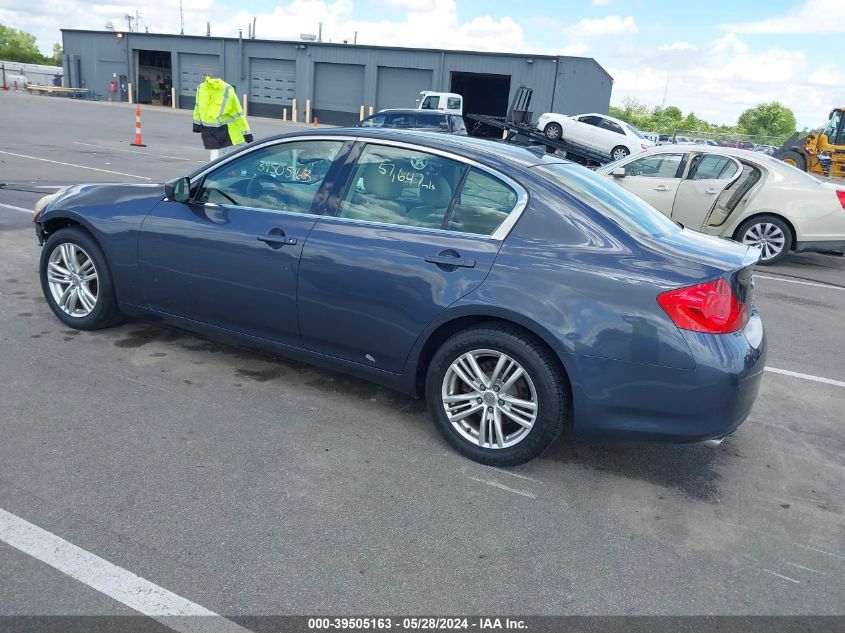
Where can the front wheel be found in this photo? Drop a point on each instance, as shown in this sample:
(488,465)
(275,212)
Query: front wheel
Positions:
(76,281)
(768,233)
(497,394)
(619,152)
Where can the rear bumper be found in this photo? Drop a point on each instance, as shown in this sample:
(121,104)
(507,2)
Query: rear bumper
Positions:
(823,246)
(623,400)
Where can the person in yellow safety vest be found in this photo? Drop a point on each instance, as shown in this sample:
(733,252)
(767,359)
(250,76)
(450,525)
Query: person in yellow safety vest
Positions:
(218,115)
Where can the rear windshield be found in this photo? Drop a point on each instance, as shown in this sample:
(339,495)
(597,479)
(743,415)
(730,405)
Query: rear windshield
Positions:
(635,131)
(628,211)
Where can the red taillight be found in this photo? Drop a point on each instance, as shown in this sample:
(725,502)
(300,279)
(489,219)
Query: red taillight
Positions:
(711,307)
(840,193)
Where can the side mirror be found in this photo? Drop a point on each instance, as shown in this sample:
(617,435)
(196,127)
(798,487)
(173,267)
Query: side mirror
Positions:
(619,172)
(178,190)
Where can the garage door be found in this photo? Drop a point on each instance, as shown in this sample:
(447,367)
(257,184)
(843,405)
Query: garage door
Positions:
(192,68)
(400,87)
(272,81)
(338,87)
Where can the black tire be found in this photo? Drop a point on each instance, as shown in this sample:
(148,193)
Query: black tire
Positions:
(105,312)
(796,159)
(619,152)
(760,221)
(553,131)
(538,362)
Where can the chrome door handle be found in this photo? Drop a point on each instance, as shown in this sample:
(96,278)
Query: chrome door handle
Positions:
(662,188)
(447,260)
(277,239)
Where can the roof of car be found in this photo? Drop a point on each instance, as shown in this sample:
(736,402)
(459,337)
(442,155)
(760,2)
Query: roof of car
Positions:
(481,149)
(408,111)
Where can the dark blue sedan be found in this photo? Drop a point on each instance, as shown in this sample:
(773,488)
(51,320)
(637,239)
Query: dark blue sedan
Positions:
(516,292)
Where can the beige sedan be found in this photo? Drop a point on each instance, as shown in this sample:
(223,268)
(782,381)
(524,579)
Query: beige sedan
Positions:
(735,193)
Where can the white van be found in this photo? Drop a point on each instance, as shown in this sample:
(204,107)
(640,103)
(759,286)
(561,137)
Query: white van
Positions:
(446,102)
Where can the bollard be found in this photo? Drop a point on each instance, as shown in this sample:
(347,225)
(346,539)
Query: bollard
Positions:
(293,110)
(284,114)
(138,142)
(131,98)
(246,103)
(173,98)
(361,114)
(307,111)
(371,110)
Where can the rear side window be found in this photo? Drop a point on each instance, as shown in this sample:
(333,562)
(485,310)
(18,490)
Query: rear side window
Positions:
(453,103)
(615,203)
(482,205)
(713,167)
(430,121)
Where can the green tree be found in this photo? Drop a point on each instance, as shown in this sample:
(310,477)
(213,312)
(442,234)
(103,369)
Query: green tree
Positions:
(58,53)
(19,46)
(767,119)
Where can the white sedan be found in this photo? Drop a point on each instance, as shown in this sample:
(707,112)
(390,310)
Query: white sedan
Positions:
(734,193)
(598,132)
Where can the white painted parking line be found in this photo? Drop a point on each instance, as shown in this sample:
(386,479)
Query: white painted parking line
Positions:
(774,573)
(132,151)
(797,281)
(14,208)
(496,484)
(796,374)
(115,582)
(58,162)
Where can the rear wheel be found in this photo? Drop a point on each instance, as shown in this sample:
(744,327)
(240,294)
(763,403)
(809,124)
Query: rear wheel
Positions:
(553,131)
(619,152)
(796,159)
(76,281)
(497,394)
(770,234)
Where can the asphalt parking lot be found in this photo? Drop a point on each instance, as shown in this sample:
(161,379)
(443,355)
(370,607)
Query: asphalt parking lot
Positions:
(251,485)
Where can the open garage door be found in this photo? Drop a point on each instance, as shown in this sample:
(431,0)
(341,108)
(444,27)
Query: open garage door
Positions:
(272,86)
(338,92)
(192,69)
(483,94)
(401,87)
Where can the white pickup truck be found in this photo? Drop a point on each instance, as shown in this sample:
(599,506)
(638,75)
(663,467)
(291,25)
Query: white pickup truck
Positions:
(446,102)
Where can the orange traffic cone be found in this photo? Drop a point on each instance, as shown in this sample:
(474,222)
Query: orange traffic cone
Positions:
(315,121)
(138,142)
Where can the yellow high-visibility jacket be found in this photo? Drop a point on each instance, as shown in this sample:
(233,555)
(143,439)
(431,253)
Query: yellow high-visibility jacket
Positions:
(218,115)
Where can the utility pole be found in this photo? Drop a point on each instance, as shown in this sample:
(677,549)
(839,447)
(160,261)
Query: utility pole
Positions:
(137,21)
(129,19)
(181,19)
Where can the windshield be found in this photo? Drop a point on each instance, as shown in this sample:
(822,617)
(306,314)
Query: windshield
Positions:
(631,213)
(635,131)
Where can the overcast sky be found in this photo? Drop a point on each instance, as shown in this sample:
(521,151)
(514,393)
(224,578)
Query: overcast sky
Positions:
(717,57)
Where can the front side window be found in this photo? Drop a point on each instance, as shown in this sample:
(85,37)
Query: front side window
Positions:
(401,186)
(610,126)
(284,177)
(657,166)
(713,167)
(400,119)
(430,121)
(430,103)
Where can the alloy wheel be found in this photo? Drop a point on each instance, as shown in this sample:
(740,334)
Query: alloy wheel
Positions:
(72,277)
(489,398)
(767,236)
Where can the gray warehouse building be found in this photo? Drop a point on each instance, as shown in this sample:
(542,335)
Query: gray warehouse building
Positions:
(337,78)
